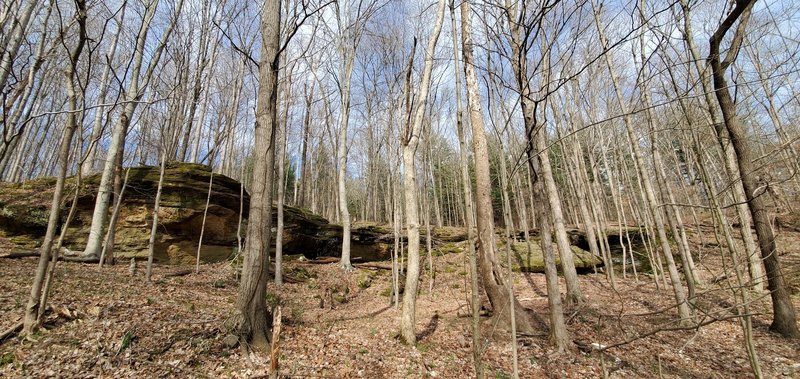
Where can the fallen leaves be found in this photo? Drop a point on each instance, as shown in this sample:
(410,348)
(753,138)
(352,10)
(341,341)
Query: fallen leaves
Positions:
(105,323)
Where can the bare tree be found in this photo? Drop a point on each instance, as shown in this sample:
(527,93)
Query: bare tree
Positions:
(651,203)
(410,144)
(132,96)
(31,319)
(784,320)
(494,282)
(253,327)
(351,24)
(469,219)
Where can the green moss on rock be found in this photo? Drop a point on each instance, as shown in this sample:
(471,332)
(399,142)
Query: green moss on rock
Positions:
(534,262)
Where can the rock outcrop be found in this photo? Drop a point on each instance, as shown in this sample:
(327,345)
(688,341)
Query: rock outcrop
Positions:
(24,209)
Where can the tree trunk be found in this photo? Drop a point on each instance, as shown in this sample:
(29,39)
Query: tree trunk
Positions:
(411,142)
(97,124)
(107,255)
(493,279)
(304,177)
(281,192)
(156,206)
(537,146)
(756,272)
(341,154)
(466,185)
(253,328)
(30,320)
(784,319)
(647,186)
(203,226)
(133,94)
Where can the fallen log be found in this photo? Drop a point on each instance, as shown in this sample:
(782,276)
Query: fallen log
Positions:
(372,266)
(10,332)
(61,257)
(178,273)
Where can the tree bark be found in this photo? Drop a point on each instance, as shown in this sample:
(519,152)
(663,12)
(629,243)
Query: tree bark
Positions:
(253,328)
(494,283)
(784,321)
(411,142)
(31,319)
(156,206)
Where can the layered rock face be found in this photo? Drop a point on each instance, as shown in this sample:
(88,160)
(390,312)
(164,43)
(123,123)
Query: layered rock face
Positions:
(24,208)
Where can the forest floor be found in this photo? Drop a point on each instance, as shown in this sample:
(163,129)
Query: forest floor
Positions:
(106,323)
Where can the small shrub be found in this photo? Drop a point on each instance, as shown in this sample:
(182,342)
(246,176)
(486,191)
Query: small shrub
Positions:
(296,314)
(365,281)
(273,299)
(7,359)
(301,273)
(424,347)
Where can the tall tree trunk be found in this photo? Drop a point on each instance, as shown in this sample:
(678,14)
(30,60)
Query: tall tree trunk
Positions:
(731,167)
(469,221)
(30,320)
(107,255)
(494,282)
(411,142)
(341,154)
(253,327)
(203,226)
(537,146)
(282,135)
(304,177)
(197,86)
(133,94)
(97,124)
(647,186)
(784,320)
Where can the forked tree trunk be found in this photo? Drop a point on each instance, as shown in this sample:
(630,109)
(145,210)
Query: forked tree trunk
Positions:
(494,282)
(731,168)
(784,320)
(411,142)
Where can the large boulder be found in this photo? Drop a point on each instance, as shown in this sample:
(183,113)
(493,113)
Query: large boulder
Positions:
(529,258)
(24,209)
